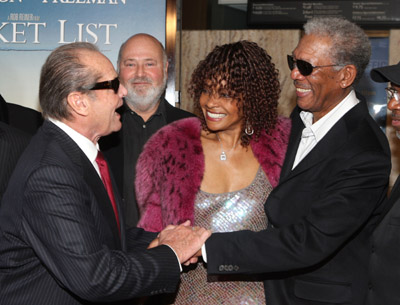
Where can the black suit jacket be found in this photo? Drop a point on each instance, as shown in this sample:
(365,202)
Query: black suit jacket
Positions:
(113,148)
(12,144)
(321,214)
(59,240)
(23,118)
(384,271)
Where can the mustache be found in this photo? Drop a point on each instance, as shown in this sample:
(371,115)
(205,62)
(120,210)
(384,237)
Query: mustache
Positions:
(141,80)
(297,84)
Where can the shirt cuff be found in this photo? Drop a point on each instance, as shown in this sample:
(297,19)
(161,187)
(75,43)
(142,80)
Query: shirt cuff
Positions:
(204,253)
(180,266)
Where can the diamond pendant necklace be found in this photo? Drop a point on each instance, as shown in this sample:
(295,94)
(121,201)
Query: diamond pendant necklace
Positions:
(223,155)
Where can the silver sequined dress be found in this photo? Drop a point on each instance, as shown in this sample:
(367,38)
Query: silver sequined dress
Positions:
(234,211)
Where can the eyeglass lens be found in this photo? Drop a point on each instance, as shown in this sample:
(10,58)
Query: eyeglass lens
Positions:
(109,84)
(305,68)
(392,93)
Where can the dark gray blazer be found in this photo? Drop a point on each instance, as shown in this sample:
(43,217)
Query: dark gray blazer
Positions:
(20,117)
(315,250)
(59,240)
(12,144)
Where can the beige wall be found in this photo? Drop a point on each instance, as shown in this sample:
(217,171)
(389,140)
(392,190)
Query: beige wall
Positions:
(196,45)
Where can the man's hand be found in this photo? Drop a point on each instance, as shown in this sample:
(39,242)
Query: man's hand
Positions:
(154,243)
(185,240)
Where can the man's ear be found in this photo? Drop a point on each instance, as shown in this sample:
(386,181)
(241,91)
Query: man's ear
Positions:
(79,103)
(347,76)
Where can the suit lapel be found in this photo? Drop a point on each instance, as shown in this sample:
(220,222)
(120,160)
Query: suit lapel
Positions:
(294,141)
(332,141)
(120,209)
(100,192)
(86,169)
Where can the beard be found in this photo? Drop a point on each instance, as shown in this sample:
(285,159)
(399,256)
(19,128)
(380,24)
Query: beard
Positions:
(144,99)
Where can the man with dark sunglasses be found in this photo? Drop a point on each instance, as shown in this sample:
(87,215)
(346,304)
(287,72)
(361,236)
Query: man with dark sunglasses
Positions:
(384,271)
(335,174)
(142,67)
(62,233)
(108,84)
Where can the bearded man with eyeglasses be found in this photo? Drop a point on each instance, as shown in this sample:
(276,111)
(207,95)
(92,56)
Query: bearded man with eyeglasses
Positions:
(334,178)
(384,271)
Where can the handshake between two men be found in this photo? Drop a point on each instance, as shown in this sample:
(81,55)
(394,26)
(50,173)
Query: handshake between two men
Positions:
(186,241)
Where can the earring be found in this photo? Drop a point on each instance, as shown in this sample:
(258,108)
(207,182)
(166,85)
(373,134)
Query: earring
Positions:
(249,129)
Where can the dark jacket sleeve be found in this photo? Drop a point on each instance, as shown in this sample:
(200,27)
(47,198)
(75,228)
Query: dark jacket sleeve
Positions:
(61,224)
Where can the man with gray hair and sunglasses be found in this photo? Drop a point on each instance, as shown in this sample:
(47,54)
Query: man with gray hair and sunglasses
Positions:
(384,271)
(335,175)
(62,233)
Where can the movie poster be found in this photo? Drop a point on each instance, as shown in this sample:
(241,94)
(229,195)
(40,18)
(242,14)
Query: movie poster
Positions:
(31,29)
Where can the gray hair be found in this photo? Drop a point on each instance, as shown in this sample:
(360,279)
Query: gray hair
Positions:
(121,49)
(61,74)
(350,44)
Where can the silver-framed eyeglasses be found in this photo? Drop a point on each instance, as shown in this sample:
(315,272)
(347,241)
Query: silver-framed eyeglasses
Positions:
(392,93)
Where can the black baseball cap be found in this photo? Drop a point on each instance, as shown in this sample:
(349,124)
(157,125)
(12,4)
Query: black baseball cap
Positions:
(386,74)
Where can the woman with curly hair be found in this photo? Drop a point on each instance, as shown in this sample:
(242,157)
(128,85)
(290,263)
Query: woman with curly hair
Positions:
(218,170)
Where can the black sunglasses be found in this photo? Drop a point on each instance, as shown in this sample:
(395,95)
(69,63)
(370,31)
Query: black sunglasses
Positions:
(304,67)
(108,84)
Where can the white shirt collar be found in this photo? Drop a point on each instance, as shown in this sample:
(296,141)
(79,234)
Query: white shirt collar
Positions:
(324,124)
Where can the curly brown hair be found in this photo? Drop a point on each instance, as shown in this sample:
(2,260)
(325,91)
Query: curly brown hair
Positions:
(246,71)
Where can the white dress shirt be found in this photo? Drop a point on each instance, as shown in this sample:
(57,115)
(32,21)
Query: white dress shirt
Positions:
(313,133)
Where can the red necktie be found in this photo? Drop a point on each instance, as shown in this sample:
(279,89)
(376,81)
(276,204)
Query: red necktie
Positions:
(105,176)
